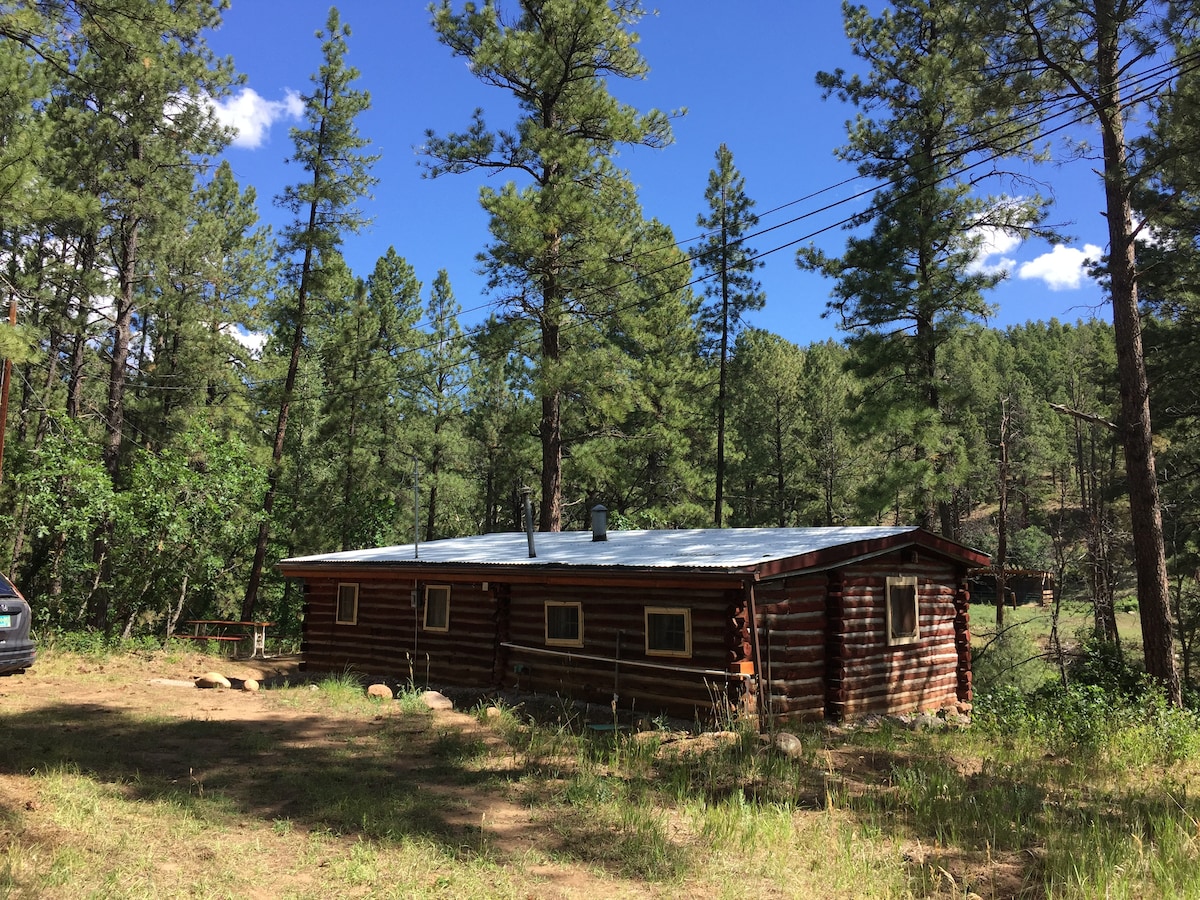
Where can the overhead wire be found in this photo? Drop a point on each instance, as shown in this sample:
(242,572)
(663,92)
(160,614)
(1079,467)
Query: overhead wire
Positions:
(1078,112)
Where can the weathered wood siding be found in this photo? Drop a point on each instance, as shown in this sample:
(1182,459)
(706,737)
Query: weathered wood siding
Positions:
(825,649)
(878,678)
(388,638)
(817,640)
(600,670)
(792,619)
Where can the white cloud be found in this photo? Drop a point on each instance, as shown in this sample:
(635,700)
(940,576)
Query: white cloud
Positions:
(1063,268)
(251,116)
(993,244)
(254,341)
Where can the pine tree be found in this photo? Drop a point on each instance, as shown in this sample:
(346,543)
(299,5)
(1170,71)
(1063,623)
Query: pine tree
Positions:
(555,244)
(329,148)
(727,264)
(1084,53)
(442,383)
(905,287)
(767,418)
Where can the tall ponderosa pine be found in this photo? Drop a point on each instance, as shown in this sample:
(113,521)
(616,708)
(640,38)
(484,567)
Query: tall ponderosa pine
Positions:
(553,259)
(442,382)
(1085,54)
(329,148)
(727,264)
(1169,284)
(903,289)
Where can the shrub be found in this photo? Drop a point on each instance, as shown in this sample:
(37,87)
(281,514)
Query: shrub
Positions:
(1010,660)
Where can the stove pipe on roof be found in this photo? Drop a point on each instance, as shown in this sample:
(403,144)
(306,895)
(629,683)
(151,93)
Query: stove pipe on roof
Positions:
(599,523)
(529,523)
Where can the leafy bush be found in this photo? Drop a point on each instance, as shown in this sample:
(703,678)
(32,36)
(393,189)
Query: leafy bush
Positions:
(1101,663)
(89,642)
(1085,721)
(1010,660)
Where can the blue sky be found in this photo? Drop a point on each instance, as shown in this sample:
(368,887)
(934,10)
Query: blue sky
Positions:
(746,79)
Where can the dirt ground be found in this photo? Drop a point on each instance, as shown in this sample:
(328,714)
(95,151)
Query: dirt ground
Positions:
(141,720)
(103,698)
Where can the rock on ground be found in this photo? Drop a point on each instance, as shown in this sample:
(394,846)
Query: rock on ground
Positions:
(434,700)
(213,680)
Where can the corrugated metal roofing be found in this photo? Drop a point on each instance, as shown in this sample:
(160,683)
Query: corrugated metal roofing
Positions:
(696,548)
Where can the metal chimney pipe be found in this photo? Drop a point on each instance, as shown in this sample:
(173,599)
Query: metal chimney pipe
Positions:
(529,523)
(599,522)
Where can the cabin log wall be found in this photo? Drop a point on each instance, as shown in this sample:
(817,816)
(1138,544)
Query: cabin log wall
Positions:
(811,645)
(719,639)
(923,675)
(388,637)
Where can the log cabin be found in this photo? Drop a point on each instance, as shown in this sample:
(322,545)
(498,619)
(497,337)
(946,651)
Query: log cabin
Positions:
(786,623)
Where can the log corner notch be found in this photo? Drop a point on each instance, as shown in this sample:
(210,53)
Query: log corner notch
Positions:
(741,661)
(962,641)
(835,649)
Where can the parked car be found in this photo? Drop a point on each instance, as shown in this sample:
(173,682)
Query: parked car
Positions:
(17,650)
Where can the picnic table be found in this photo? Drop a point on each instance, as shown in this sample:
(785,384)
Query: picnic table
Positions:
(218,630)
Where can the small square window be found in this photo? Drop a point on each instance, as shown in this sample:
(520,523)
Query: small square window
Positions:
(437,607)
(903,610)
(564,624)
(347,604)
(668,631)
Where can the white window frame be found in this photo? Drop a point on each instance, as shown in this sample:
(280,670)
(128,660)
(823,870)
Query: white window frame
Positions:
(353,597)
(683,611)
(576,641)
(903,582)
(430,590)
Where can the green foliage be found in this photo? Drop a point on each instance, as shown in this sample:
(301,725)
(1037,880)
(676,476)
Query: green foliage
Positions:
(562,237)
(1009,661)
(1085,722)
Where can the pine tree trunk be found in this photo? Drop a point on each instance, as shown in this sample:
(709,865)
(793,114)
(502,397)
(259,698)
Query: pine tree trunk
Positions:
(1136,432)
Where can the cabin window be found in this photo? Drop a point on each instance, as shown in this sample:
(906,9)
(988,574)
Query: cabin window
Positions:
(347,604)
(437,607)
(564,623)
(903,610)
(668,631)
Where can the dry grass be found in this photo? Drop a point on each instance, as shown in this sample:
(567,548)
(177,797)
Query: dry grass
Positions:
(119,780)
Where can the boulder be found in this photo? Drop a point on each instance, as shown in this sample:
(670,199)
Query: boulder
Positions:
(788,744)
(250,685)
(380,691)
(434,700)
(212,680)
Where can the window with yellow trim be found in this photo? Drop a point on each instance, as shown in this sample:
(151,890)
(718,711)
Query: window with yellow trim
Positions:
(668,631)
(437,607)
(347,604)
(564,623)
(903,610)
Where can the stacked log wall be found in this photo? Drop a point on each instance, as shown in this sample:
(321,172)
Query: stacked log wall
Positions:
(890,679)
(666,686)
(387,638)
(792,622)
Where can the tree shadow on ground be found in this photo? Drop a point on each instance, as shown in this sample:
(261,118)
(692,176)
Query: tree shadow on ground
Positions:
(383,779)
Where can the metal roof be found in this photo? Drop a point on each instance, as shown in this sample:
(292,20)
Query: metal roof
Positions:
(695,548)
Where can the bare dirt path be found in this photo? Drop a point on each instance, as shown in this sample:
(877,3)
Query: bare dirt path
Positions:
(141,721)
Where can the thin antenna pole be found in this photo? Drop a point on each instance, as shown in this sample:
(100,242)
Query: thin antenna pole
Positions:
(416,508)
(4,381)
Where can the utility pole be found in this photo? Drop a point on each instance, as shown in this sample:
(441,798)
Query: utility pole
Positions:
(4,382)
